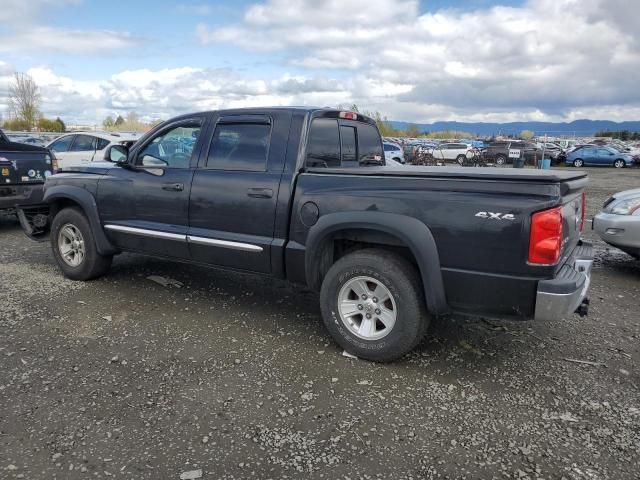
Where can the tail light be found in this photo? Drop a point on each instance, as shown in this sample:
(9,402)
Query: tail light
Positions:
(54,165)
(583,210)
(545,240)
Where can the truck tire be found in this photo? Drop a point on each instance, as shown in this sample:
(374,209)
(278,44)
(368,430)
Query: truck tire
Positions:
(74,246)
(373,305)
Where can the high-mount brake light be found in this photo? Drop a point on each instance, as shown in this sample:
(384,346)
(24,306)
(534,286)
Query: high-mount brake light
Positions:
(545,238)
(349,115)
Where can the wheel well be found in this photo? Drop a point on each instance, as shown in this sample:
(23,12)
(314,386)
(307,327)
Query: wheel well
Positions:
(62,203)
(343,242)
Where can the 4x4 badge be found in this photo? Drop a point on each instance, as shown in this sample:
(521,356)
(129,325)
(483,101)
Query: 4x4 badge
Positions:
(496,216)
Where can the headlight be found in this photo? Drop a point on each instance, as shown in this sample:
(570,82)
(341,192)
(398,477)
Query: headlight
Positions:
(625,206)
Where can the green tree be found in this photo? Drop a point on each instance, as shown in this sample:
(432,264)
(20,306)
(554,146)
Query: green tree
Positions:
(119,121)
(108,122)
(412,131)
(16,125)
(61,125)
(526,135)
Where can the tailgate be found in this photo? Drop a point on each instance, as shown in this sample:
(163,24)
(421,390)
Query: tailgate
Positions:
(573,205)
(24,167)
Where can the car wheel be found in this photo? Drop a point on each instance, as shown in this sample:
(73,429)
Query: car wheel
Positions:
(461,159)
(74,246)
(501,160)
(618,163)
(373,305)
(578,163)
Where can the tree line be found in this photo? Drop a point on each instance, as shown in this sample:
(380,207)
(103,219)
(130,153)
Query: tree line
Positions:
(624,135)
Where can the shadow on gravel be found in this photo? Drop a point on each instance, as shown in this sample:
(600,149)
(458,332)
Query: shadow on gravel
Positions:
(473,344)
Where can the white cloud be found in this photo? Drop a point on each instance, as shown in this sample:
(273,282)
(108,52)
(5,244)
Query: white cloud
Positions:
(45,39)
(547,58)
(23,31)
(26,11)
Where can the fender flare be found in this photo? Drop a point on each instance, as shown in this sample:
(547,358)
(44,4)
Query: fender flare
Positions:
(411,231)
(88,204)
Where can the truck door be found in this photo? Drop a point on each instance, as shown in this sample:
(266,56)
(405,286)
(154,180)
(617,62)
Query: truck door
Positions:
(235,189)
(144,207)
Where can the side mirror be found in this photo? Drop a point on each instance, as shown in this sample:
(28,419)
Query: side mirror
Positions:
(116,154)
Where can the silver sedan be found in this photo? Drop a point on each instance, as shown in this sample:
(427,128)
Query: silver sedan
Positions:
(619,222)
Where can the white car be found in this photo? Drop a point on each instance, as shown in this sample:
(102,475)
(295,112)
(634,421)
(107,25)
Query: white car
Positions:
(452,152)
(393,152)
(618,223)
(85,147)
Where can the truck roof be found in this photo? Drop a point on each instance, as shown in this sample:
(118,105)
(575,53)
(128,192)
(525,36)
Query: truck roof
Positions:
(316,111)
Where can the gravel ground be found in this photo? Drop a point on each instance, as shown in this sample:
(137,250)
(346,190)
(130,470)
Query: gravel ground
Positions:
(234,375)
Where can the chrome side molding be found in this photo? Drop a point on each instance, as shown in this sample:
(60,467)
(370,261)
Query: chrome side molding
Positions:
(245,247)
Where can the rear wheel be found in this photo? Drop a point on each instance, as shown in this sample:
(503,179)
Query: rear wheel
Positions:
(74,247)
(461,159)
(578,163)
(618,163)
(373,306)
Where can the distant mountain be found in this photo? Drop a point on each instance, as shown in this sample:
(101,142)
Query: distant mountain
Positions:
(578,128)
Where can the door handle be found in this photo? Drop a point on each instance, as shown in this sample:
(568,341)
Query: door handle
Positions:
(260,192)
(175,187)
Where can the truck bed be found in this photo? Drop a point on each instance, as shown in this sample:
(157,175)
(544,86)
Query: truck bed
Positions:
(488,173)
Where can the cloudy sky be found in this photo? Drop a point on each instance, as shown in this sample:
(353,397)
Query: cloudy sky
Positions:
(427,60)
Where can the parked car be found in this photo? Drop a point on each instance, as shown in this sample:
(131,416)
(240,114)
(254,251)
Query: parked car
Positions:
(393,152)
(23,170)
(619,222)
(599,156)
(81,148)
(502,153)
(553,151)
(297,193)
(452,152)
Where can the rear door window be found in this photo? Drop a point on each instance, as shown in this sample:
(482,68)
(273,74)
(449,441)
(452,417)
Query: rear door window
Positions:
(101,143)
(323,145)
(240,146)
(83,143)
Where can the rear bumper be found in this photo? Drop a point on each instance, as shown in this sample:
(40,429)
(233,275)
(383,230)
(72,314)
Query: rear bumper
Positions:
(562,295)
(12,196)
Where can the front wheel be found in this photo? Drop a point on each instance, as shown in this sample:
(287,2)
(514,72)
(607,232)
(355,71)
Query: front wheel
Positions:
(501,160)
(578,163)
(74,247)
(373,306)
(618,163)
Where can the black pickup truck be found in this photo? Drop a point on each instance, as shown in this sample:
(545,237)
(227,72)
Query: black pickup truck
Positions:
(23,170)
(303,194)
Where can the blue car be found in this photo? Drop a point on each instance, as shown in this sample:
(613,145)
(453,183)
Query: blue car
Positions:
(597,155)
